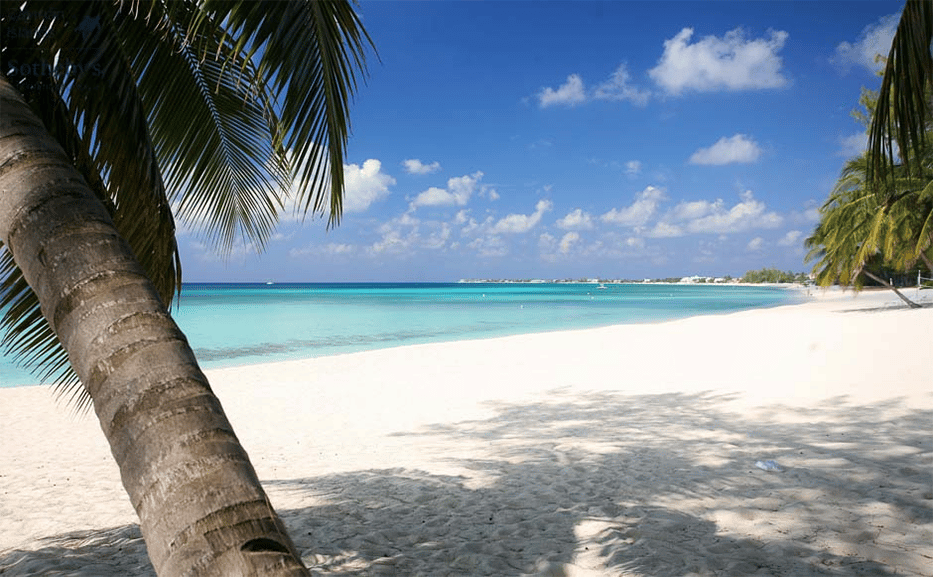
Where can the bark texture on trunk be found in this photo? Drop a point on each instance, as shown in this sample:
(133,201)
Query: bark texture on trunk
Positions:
(201,507)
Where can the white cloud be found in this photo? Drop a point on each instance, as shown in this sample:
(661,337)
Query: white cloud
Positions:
(489,246)
(332,249)
(737,148)
(415,166)
(727,63)
(746,215)
(790,239)
(617,87)
(364,185)
(874,39)
(755,244)
(458,192)
(666,230)
(635,242)
(576,220)
(570,93)
(567,241)
(438,238)
(692,210)
(633,167)
(853,145)
(519,223)
(638,213)
(488,192)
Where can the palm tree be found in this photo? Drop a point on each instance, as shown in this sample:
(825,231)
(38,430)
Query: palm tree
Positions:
(881,211)
(904,106)
(862,228)
(112,112)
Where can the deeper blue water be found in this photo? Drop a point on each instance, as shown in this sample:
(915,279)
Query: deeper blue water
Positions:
(239,324)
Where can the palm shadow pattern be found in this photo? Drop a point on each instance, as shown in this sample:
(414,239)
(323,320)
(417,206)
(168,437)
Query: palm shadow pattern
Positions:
(610,484)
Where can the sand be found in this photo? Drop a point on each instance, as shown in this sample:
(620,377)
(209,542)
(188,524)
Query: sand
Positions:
(627,450)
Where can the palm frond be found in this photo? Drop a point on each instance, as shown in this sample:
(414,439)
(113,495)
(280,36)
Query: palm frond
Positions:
(105,108)
(308,53)
(213,131)
(88,103)
(903,106)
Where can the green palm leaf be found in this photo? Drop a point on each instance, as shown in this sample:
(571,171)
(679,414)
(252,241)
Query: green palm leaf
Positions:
(903,108)
(309,53)
(170,88)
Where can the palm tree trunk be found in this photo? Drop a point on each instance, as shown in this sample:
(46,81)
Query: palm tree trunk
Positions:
(201,507)
(877,279)
(927,261)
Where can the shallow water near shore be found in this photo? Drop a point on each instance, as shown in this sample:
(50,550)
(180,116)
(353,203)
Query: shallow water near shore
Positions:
(241,324)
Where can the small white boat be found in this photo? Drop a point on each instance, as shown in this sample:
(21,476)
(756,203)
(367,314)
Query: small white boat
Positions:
(601,286)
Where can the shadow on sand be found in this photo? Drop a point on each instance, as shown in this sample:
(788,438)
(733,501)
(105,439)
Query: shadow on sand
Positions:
(607,484)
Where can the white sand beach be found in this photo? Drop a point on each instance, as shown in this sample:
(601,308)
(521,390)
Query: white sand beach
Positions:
(627,450)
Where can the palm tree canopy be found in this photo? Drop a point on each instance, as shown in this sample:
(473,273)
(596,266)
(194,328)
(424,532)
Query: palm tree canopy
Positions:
(880,212)
(210,110)
(904,108)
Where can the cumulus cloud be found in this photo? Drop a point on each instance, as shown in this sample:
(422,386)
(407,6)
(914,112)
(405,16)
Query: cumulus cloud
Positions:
(570,93)
(790,239)
(489,246)
(728,63)
(639,212)
(852,145)
(738,148)
(576,220)
(398,235)
(690,210)
(755,244)
(633,167)
(746,215)
(617,87)
(874,39)
(331,249)
(458,192)
(665,230)
(714,217)
(519,223)
(406,234)
(566,242)
(364,185)
(415,166)
(635,242)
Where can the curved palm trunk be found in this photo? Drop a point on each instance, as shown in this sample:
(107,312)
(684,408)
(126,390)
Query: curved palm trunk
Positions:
(201,507)
(927,261)
(885,283)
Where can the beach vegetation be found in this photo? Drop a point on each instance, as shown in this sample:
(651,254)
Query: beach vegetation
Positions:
(878,219)
(772,275)
(117,115)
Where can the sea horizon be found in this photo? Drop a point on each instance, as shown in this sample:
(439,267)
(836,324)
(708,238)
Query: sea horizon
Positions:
(246,323)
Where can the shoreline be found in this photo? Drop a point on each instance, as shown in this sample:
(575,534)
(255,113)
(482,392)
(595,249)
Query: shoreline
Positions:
(591,451)
(801,296)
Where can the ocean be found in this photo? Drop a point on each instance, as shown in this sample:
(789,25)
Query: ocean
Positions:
(240,324)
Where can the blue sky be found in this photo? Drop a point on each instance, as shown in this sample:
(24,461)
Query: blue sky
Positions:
(582,139)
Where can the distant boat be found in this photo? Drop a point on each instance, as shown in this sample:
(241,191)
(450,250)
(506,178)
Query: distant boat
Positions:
(269,282)
(602,286)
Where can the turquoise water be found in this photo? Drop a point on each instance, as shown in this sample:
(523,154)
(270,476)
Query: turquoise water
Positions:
(239,324)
